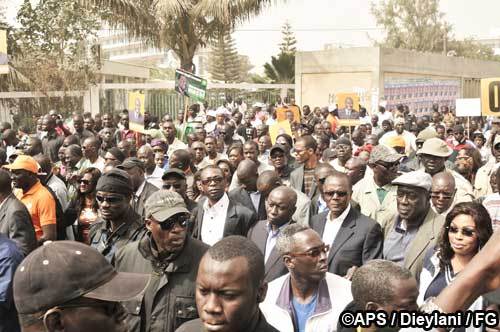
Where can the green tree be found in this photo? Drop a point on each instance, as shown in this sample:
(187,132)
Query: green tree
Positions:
(180,25)
(419,25)
(289,41)
(224,62)
(245,67)
(282,68)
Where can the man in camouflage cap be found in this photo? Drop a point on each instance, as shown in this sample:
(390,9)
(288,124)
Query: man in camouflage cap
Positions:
(375,193)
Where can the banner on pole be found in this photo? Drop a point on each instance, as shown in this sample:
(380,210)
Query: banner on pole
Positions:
(190,85)
(468,107)
(136,111)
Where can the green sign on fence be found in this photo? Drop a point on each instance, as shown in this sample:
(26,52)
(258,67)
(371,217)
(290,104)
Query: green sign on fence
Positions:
(190,85)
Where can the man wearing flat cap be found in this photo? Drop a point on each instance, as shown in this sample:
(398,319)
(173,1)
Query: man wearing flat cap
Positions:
(142,188)
(68,286)
(433,156)
(415,228)
(171,256)
(117,224)
(375,193)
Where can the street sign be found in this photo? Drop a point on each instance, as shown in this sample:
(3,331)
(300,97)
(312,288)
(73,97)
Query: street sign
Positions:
(490,97)
(190,85)
(4,67)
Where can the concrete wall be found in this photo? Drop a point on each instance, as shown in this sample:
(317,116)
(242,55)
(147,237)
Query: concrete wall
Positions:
(321,74)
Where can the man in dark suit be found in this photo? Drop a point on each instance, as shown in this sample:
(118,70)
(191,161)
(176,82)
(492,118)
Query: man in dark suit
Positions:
(280,206)
(354,238)
(142,188)
(302,178)
(246,194)
(15,220)
(218,216)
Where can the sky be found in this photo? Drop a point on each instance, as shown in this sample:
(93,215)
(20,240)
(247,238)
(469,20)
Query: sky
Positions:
(339,22)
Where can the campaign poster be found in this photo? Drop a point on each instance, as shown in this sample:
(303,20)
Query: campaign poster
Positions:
(281,113)
(190,85)
(136,111)
(348,108)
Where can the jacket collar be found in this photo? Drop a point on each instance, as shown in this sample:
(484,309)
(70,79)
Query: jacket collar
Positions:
(178,262)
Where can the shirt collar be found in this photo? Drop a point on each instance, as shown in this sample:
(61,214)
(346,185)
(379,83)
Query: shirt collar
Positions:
(276,232)
(341,218)
(140,189)
(223,202)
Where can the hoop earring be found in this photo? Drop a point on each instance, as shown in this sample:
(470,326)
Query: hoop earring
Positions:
(48,313)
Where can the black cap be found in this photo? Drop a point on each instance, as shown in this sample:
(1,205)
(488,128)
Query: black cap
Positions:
(131,163)
(115,181)
(279,147)
(62,271)
(173,171)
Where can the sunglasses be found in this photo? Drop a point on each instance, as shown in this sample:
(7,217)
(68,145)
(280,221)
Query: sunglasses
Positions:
(168,224)
(216,180)
(109,199)
(332,193)
(175,186)
(87,182)
(314,252)
(437,194)
(388,165)
(465,231)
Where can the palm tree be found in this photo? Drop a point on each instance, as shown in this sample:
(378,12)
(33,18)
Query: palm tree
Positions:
(281,69)
(181,25)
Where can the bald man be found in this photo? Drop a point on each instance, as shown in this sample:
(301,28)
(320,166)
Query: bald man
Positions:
(90,148)
(270,180)
(152,172)
(246,194)
(356,168)
(443,192)
(280,206)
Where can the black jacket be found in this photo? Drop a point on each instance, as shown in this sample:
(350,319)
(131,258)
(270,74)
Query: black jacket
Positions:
(197,326)
(358,240)
(241,196)
(169,299)
(138,203)
(107,242)
(15,223)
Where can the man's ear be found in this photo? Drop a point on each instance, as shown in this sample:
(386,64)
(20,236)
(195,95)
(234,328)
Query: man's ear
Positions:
(287,260)
(372,306)
(53,321)
(147,222)
(262,292)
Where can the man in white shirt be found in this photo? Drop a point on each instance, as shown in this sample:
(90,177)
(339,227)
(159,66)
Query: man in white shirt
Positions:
(354,238)
(153,173)
(169,132)
(90,149)
(217,215)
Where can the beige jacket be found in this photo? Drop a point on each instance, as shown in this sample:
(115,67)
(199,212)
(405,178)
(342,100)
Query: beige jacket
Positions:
(482,183)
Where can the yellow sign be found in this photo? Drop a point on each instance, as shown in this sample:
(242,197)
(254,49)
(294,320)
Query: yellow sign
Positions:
(490,97)
(281,113)
(282,127)
(4,67)
(348,108)
(136,111)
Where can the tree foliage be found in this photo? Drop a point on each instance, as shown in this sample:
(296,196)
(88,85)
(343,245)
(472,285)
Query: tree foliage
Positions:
(181,25)
(282,68)
(419,25)
(224,62)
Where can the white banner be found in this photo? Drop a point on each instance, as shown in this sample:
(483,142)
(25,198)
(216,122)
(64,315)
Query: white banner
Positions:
(468,107)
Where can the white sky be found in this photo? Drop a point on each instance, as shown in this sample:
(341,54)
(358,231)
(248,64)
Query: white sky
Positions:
(345,22)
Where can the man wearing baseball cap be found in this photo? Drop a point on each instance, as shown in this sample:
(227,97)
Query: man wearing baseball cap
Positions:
(69,286)
(38,200)
(433,156)
(375,193)
(175,180)
(414,229)
(278,155)
(171,256)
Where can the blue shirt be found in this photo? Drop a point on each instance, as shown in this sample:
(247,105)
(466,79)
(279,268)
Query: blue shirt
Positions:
(10,258)
(304,311)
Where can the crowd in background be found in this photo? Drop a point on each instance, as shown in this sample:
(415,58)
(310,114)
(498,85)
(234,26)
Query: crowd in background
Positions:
(240,230)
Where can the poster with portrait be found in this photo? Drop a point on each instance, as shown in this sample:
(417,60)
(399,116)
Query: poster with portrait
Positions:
(281,113)
(281,127)
(136,109)
(348,108)
(4,67)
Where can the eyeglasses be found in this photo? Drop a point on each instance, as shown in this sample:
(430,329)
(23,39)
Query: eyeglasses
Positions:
(109,199)
(168,186)
(216,180)
(314,252)
(181,220)
(87,182)
(111,308)
(331,194)
(465,231)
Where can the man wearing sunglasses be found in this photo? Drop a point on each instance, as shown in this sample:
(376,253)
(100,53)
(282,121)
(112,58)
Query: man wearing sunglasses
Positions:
(117,224)
(142,188)
(354,238)
(414,230)
(171,257)
(175,180)
(308,295)
(68,286)
(375,193)
(443,193)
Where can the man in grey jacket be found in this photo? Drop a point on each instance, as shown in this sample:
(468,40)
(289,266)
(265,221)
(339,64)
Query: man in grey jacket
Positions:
(171,256)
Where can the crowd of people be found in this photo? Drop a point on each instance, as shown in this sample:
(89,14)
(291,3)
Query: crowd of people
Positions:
(207,222)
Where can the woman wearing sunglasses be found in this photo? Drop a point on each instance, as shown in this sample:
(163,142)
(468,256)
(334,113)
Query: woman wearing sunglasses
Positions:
(466,230)
(83,208)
